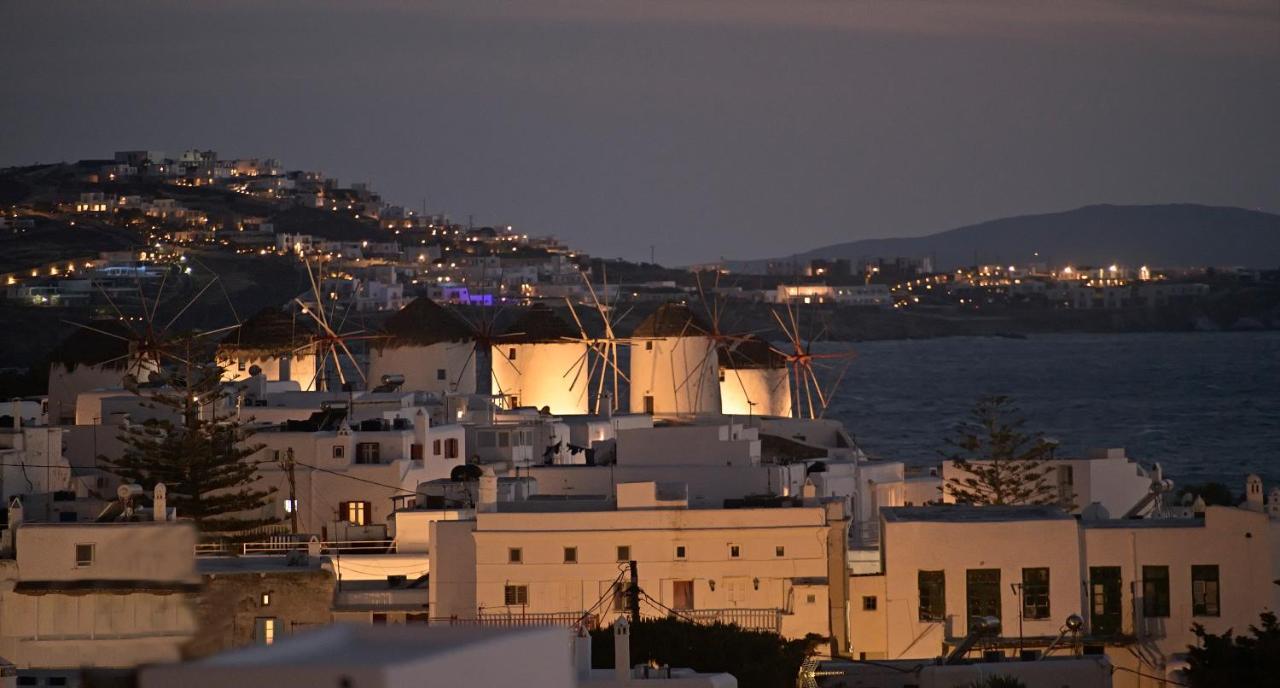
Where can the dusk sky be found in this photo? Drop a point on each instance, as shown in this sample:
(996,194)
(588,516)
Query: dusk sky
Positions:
(737,128)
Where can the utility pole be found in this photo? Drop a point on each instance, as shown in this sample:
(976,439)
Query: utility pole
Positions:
(633,594)
(293,492)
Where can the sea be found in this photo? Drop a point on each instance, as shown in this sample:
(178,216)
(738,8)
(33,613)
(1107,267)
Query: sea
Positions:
(1204,405)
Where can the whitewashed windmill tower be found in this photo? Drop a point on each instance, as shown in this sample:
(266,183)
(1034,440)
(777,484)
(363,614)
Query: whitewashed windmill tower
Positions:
(280,344)
(754,379)
(430,346)
(538,347)
(674,367)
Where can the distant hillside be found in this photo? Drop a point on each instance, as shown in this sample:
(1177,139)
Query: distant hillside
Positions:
(1179,235)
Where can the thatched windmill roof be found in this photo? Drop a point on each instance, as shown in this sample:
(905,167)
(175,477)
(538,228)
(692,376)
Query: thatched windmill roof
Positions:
(538,323)
(270,331)
(750,353)
(422,323)
(672,319)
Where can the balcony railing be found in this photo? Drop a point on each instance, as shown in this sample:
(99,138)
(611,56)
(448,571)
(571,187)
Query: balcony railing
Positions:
(749,619)
(284,545)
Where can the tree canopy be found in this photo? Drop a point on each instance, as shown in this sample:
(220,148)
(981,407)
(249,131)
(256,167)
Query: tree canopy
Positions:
(202,459)
(998,462)
(1227,660)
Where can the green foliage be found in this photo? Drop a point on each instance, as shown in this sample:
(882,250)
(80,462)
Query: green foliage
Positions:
(1001,464)
(1213,494)
(758,659)
(202,460)
(1227,661)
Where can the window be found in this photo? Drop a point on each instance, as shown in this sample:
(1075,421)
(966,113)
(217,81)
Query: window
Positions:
(868,603)
(648,346)
(451,448)
(435,447)
(368,452)
(779,551)
(264,629)
(679,551)
(511,354)
(265,600)
(933,595)
(290,505)
(810,599)
(84,555)
(355,513)
(1204,590)
(440,374)
(339,451)
(415,452)
(982,594)
(515,555)
(1035,593)
(682,597)
(734,551)
(570,555)
(515,594)
(624,553)
(1155,592)
(648,405)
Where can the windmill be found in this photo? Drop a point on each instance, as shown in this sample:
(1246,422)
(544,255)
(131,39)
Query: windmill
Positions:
(599,360)
(329,342)
(801,361)
(148,347)
(485,336)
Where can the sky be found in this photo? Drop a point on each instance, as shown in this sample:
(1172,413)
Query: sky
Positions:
(695,129)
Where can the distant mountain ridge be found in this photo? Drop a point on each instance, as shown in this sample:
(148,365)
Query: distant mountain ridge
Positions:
(1172,235)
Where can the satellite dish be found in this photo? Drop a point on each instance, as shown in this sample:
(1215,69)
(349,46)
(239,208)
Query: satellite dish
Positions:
(1075,623)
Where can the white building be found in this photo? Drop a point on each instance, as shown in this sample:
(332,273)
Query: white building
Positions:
(782,569)
(430,346)
(346,470)
(674,365)
(1138,585)
(95,595)
(1106,477)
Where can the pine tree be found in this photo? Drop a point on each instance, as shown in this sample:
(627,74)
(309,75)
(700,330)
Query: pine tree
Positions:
(999,463)
(202,459)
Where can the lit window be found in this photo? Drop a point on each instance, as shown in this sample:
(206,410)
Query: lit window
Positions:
(266,599)
(265,629)
(290,505)
(355,513)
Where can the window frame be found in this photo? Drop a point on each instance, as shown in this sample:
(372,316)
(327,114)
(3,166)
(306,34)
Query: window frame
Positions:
(82,561)
(515,555)
(977,591)
(869,603)
(1036,598)
(514,595)
(623,553)
(931,588)
(1213,586)
(1155,592)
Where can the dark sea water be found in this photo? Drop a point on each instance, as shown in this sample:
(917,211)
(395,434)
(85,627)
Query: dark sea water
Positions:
(1204,405)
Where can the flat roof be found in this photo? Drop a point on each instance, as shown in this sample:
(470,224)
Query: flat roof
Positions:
(961,513)
(362,645)
(1145,523)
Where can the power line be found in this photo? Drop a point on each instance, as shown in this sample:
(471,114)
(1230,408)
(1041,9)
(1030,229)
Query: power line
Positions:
(340,474)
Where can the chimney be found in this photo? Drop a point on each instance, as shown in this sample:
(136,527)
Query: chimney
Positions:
(488,497)
(582,654)
(15,520)
(622,650)
(159,503)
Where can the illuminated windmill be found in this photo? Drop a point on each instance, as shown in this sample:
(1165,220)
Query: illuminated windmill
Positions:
(478,367)
(330,341)
(599,359)
(275,343)
(807,389)
(430,345)
(537,347)
(137,345)
(674,364)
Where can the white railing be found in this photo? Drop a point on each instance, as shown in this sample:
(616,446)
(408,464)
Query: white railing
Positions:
(286,545)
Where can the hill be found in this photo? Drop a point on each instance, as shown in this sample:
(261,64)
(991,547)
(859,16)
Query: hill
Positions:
(1180,235)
